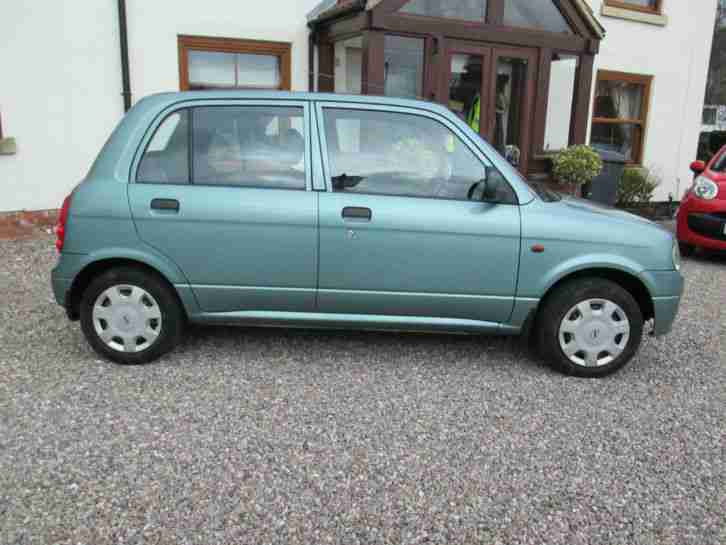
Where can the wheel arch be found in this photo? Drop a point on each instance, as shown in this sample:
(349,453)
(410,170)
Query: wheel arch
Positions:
(629,281)
(99,266)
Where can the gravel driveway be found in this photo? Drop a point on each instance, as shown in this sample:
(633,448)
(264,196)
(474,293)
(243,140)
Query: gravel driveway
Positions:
(273,436)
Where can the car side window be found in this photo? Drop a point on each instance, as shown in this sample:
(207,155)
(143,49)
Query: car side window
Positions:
(166,159)
(408,155)
(249,146)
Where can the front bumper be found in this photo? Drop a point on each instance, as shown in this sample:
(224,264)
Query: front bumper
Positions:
(702,223)
(666,290)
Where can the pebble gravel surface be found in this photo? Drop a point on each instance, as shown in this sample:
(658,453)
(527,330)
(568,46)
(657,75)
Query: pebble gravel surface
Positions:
(277,436)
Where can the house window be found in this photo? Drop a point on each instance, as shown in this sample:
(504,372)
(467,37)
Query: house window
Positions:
(225,63)
(709,116)
(404,66)
(620,113)
(348,72)
(647,6)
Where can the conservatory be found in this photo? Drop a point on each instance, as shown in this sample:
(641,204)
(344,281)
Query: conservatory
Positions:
(519,72)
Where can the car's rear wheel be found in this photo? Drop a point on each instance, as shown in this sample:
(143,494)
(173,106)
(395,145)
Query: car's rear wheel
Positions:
(590,327)
(131,316)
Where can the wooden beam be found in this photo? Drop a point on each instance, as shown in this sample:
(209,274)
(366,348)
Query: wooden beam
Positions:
(482,33)
(337,29)
(541,100)
(583,93)
(374,70)
(326,67)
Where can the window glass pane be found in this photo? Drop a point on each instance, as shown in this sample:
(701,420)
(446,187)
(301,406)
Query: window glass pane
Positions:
(465,88)
(709,116)
(404,66)
(618,100)
(211,69)
(563,74)
(641,3)
(349,65)
(538,14)
(251,146)
(622,138)
(166,159)
(468,10)
(510,101)
(384,153)
(258,71)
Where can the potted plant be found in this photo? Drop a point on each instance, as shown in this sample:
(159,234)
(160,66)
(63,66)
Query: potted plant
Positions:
(575,166)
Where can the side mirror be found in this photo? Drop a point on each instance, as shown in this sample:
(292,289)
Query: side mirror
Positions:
(698,167)
(485,190)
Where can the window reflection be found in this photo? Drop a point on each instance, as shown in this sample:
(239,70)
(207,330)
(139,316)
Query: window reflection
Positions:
(563,75)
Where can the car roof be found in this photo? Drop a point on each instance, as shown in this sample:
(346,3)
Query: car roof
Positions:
(162,100)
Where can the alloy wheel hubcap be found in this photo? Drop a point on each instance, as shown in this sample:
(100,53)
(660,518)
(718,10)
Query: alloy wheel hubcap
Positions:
(594,332)
(127,318)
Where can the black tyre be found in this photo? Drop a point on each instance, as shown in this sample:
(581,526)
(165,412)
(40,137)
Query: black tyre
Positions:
(131,316)
(589,327)
(687,250)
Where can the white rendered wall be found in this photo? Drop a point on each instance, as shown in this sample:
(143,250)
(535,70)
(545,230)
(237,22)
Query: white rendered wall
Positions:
(677,55)
(60,96)
(60,85)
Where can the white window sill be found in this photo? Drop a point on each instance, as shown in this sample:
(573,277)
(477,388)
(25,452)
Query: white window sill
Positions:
(637,16)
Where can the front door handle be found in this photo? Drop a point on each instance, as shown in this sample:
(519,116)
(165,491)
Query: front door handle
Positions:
(168,205)
(357,213)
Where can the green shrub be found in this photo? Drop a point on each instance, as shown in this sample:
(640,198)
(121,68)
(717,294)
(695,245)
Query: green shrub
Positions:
(637,186)
(576,165)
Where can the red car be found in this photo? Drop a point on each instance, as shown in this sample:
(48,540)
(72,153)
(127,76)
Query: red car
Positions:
(702,214)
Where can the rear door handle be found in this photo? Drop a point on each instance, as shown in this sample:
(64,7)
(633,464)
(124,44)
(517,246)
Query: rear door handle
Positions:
(169,205)
(357,213)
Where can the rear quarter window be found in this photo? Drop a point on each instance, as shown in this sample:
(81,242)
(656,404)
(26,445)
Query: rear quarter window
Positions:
(166,158)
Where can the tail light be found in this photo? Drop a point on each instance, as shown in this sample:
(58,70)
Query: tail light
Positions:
(60,230)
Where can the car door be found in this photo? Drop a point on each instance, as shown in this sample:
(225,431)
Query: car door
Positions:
(224,190)
(400,232)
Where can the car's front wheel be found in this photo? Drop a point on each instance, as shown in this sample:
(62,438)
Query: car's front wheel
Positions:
(131,316)
(590,327)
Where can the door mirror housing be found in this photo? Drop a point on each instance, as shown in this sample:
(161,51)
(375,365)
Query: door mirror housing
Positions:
(697,167)
(484,190)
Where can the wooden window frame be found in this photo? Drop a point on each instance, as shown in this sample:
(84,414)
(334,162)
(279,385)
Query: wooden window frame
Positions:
(282,50)
(639,79)
(624,4)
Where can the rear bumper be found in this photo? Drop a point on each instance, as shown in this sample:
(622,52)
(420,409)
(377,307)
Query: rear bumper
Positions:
(62,278)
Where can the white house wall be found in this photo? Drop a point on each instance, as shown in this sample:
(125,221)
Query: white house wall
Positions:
(60,85)
(60,96)
(677,57)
